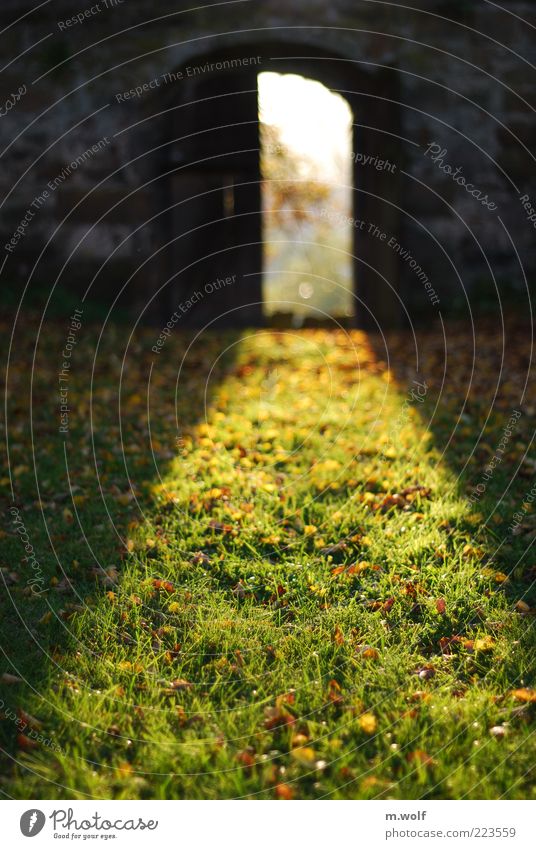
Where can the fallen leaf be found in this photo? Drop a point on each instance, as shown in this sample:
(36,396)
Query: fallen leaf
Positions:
(8,678)
(500,577)
(368,723)
(277,717)
(338,636)
(484,644)
(26,743)
(30,720)
(125,769)
(334,692)
(421,757)
(524,694)
(368,652)
(419,696)
(200,558)
(285,699)
(246,757)
(220,527)
(64,586)
(305,755)
(284,791)
(164,586)
(180,684)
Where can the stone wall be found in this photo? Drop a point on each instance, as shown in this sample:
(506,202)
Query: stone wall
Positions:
(76,145)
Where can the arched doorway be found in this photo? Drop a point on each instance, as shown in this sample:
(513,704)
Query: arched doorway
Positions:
(211,181)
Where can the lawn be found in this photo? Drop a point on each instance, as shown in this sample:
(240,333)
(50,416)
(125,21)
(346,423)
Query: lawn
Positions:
(269,565)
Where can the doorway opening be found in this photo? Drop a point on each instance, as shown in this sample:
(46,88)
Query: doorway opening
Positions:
(307,201)
(220,228)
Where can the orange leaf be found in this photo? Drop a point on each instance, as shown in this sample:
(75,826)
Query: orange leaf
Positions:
(25,743)
(368,653)
(419,696)
(421,757)
(334,692)
(284,791)
(524,695)
(246,758)
(220,527)
(165,586)
(278,719)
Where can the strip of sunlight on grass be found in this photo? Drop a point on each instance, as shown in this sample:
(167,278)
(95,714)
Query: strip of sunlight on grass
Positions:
(305,587)
(306,144)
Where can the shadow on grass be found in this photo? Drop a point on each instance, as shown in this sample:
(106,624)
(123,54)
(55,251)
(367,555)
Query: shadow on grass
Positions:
(77,486)
(471,387)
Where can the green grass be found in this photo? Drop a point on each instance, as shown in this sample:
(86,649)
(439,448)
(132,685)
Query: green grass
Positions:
(247,604)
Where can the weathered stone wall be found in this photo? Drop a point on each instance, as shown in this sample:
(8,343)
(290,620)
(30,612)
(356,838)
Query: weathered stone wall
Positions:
(465,70)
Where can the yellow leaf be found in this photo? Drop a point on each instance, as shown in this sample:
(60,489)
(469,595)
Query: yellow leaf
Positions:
(214,493)
(484,644)
(368,723)
(124,770)
(306,755)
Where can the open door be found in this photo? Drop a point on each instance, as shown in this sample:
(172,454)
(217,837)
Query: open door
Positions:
(211,182)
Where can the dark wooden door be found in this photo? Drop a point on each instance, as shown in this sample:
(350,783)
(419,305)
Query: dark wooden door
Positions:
(215,253)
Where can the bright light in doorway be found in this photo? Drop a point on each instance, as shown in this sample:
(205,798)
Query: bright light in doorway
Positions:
(313,121)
